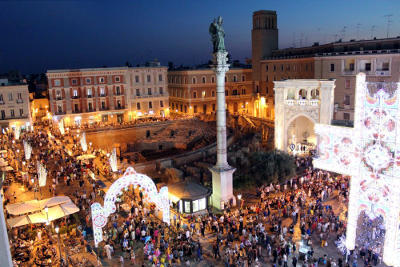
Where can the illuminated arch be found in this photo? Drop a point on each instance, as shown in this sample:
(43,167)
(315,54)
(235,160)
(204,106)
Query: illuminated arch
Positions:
(130,177)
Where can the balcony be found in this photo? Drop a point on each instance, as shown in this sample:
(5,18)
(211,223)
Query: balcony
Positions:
(102,95)
(57,98)
(290,102)
(2,102)
(302,102)
(382,72)
(103,109)
(20,101)
(76,111)
(118,93)
(89,96)
(90,110)
(75,97)
(349,72)
(119,107)
(314,102)
(60,113)
(14,117)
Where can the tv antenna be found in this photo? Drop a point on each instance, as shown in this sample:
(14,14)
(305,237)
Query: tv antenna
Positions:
(358,31)
(389,22)
(343,32)
(373,27)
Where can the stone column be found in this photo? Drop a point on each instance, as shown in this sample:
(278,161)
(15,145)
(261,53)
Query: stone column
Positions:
(221,172)
(5,254)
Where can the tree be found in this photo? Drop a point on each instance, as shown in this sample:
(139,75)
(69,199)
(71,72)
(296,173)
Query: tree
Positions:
(128,64)
(171,65)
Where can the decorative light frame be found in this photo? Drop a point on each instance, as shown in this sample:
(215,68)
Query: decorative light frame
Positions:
(370,154)
(130,177)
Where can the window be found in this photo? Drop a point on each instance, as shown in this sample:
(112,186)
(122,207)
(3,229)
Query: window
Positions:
(346,100)
(306,67)
(347,84)
(148,78)
(137,78)
(74,81)
(203,79)
(243,78)
(12,113)
(385,66)
(213,79)
(119,104)
(75,93)
(1,98)
(226,79)
(213,107)
(88,80)
(101,80)
(274,67)
(21,112)
(161,90)
(76,108)
(118,90)
(195,108)
(332,67)
(161,103)
(243,91)
(185,109)
(281,67)
(194,94)
(149,91)
(102,91)
(234,92)
(90,106)
(3,114)
(346,116)
(150,104)
(367,66)
(10,96)
(212,93)
(138,106)
(195,204)
(187,206)
(117,79)
(89,92)
(59,109)
(234,78)
(351,66)
(57,82)
(193,80)
(103,105)
(137,92)
(203,93)
(226,92)
(267,79)
(160,77)
(266,67)
(58,94)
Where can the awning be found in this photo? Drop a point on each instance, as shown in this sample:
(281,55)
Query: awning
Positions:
(7,168)
(18,221)
(23,207)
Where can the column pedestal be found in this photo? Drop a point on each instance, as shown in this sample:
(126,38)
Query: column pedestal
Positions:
(222,186)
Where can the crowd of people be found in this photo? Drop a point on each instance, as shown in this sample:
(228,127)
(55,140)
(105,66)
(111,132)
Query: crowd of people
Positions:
(283,224)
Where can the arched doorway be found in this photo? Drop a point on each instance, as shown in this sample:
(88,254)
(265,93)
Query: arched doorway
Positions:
(130,178)
(300,134)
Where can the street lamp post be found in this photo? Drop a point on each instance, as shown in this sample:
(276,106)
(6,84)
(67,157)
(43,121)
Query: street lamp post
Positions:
(57,229)
(240,201)
(34,188)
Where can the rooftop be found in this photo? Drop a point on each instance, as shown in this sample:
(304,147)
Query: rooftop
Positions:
(188,190)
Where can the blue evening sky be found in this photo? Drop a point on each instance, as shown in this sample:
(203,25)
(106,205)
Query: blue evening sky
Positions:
(38,35)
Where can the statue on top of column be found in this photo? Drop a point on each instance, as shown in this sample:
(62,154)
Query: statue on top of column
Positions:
(217,35)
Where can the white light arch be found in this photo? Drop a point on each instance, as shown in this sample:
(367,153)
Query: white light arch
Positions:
(130,177)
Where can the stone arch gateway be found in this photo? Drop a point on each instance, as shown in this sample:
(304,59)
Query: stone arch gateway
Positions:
(289,107)
(130,177)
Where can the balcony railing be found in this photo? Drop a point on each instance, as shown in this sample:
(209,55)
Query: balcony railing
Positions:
(76,111)
(90,110)
(382,72)
(89,96)
(302,102)
(349,72)
(19,101)
(118,93)
(57,98)
(102,95)
(14,117)
(105,108)
(75,97)
(119,107)
(60,113)
(2,102)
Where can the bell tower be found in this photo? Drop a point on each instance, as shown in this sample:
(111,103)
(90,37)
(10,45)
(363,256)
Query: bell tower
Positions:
(264,39)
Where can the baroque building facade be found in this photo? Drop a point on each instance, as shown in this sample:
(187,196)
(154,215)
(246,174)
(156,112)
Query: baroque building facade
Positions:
(193,92)
(115,95)
(14,104)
